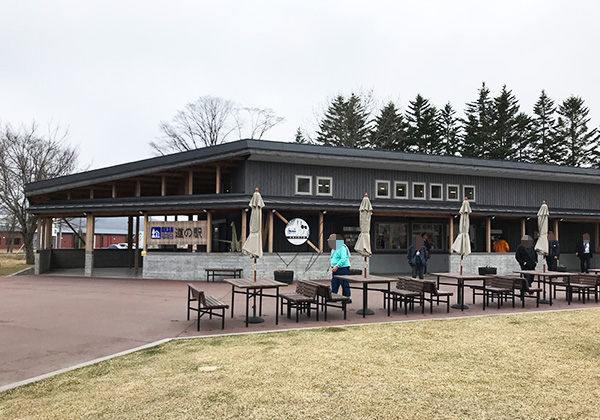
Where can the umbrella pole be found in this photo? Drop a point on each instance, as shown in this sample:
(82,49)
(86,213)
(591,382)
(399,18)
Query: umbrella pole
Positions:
(365,267)
(255,319)
(461,260)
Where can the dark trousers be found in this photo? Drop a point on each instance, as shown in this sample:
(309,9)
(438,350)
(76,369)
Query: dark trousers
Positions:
(336,283)
(417,270)
(585,262)
(551,262)
(528,277)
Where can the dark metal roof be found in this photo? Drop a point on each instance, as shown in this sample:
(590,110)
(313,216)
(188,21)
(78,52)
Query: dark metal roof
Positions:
(318,155)
(166,205)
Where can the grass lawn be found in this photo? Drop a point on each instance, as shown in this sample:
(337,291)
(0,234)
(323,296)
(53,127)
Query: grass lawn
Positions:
(11,263)
(532,366)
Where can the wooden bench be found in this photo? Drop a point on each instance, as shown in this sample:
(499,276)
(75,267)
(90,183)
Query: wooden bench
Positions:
(406,291)
(303,298)
(212,272)
(327,299)
(499,286)
(430,288)
(583,284)
(205,305)
(526,291)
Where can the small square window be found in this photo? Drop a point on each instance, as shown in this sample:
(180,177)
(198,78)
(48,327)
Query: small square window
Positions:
(382,189)
(303,185)
(418,191)
(400,189)
(453,193)
(469,191)
(324,186)
(435,191)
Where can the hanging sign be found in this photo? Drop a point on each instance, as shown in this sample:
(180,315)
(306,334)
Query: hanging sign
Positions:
(177,233)
(297,231)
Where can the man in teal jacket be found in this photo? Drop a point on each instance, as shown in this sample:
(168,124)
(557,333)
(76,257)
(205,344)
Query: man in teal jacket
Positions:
(340,263)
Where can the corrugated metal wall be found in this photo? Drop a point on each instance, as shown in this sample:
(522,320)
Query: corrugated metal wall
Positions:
(277,179)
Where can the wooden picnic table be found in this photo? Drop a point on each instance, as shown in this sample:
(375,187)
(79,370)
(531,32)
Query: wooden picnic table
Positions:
(252,289)
(460,284)
(545,277)
(235,272)
(365,282)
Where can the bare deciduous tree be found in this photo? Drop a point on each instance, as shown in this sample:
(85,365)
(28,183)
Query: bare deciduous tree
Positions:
(26,155)
(205,122)
(210,121)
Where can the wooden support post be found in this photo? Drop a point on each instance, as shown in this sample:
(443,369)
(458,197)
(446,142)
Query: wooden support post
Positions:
(244,226)
(321,222)
(114,190)
(40,233)
(136,238)
(597,237)
(209,232)
(190,183)
(163,185)
(145,233)
(451,233)
(488,234)
(138,189)
(218,186)
(523,227)
(556,228)
(89,246)
(270,231)
(91,193)
(130,241)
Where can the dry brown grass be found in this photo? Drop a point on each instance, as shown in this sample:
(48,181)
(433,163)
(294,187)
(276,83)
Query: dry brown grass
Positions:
(532,366)
(11,263)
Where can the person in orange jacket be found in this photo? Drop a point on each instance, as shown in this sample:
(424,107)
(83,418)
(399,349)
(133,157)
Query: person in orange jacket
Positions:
(501,245)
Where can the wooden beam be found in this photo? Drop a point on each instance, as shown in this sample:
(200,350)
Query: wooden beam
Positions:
(190,183)
(488,234)
(208,232)
(556,228)
(130,241)
(163,186)
(89,233)
(270,218)
(136,263)
(138,189)
(40,233)
(145,233)
(91,193)
(48,233)
(244,226)
(74,231)
(114,190)
(284,220)
(597,237)
(523,227)
(321,222)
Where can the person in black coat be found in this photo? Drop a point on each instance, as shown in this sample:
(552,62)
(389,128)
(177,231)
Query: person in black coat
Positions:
(526,256)
(583,250)
(553,252)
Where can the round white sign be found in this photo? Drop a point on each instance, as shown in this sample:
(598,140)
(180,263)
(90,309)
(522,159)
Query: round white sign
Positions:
(297,231)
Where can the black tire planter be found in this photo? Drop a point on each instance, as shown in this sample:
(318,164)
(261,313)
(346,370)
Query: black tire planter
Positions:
(484,271)
(284,276)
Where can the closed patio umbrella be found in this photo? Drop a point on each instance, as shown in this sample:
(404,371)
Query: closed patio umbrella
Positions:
(253,245)
(462,244)
(363,243)
(541,246)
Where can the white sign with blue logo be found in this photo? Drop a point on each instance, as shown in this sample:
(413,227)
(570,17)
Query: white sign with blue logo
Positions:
(177,233)
(297,231)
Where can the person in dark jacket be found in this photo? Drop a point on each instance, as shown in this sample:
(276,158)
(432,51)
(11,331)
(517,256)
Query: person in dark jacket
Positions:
(428,247)
(553,252)
(417,257)
(526,256)
(584,251)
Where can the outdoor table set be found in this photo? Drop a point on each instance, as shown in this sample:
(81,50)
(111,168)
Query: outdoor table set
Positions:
(251,289)
(547,277)
(365,282)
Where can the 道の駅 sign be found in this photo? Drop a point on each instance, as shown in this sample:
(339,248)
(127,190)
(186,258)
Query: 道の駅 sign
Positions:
(177,233)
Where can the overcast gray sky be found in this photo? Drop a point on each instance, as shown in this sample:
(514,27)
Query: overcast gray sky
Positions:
(112,70)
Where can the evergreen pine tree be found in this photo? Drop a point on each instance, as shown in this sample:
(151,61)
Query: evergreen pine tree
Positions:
(523,138)
(478,125)
(345,124)
(543,138)
(389,132)
(422,130)
(449,132)
(575,139)
(503,140)
(299,137)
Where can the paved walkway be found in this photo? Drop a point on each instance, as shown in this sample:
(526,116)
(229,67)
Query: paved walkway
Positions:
(51,322)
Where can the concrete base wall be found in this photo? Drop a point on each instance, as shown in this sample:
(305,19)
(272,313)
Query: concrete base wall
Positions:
(191,266)
(88,269)
(42,261)
(398,263)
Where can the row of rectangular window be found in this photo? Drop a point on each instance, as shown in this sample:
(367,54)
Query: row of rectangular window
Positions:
(304,185)
(419,190)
